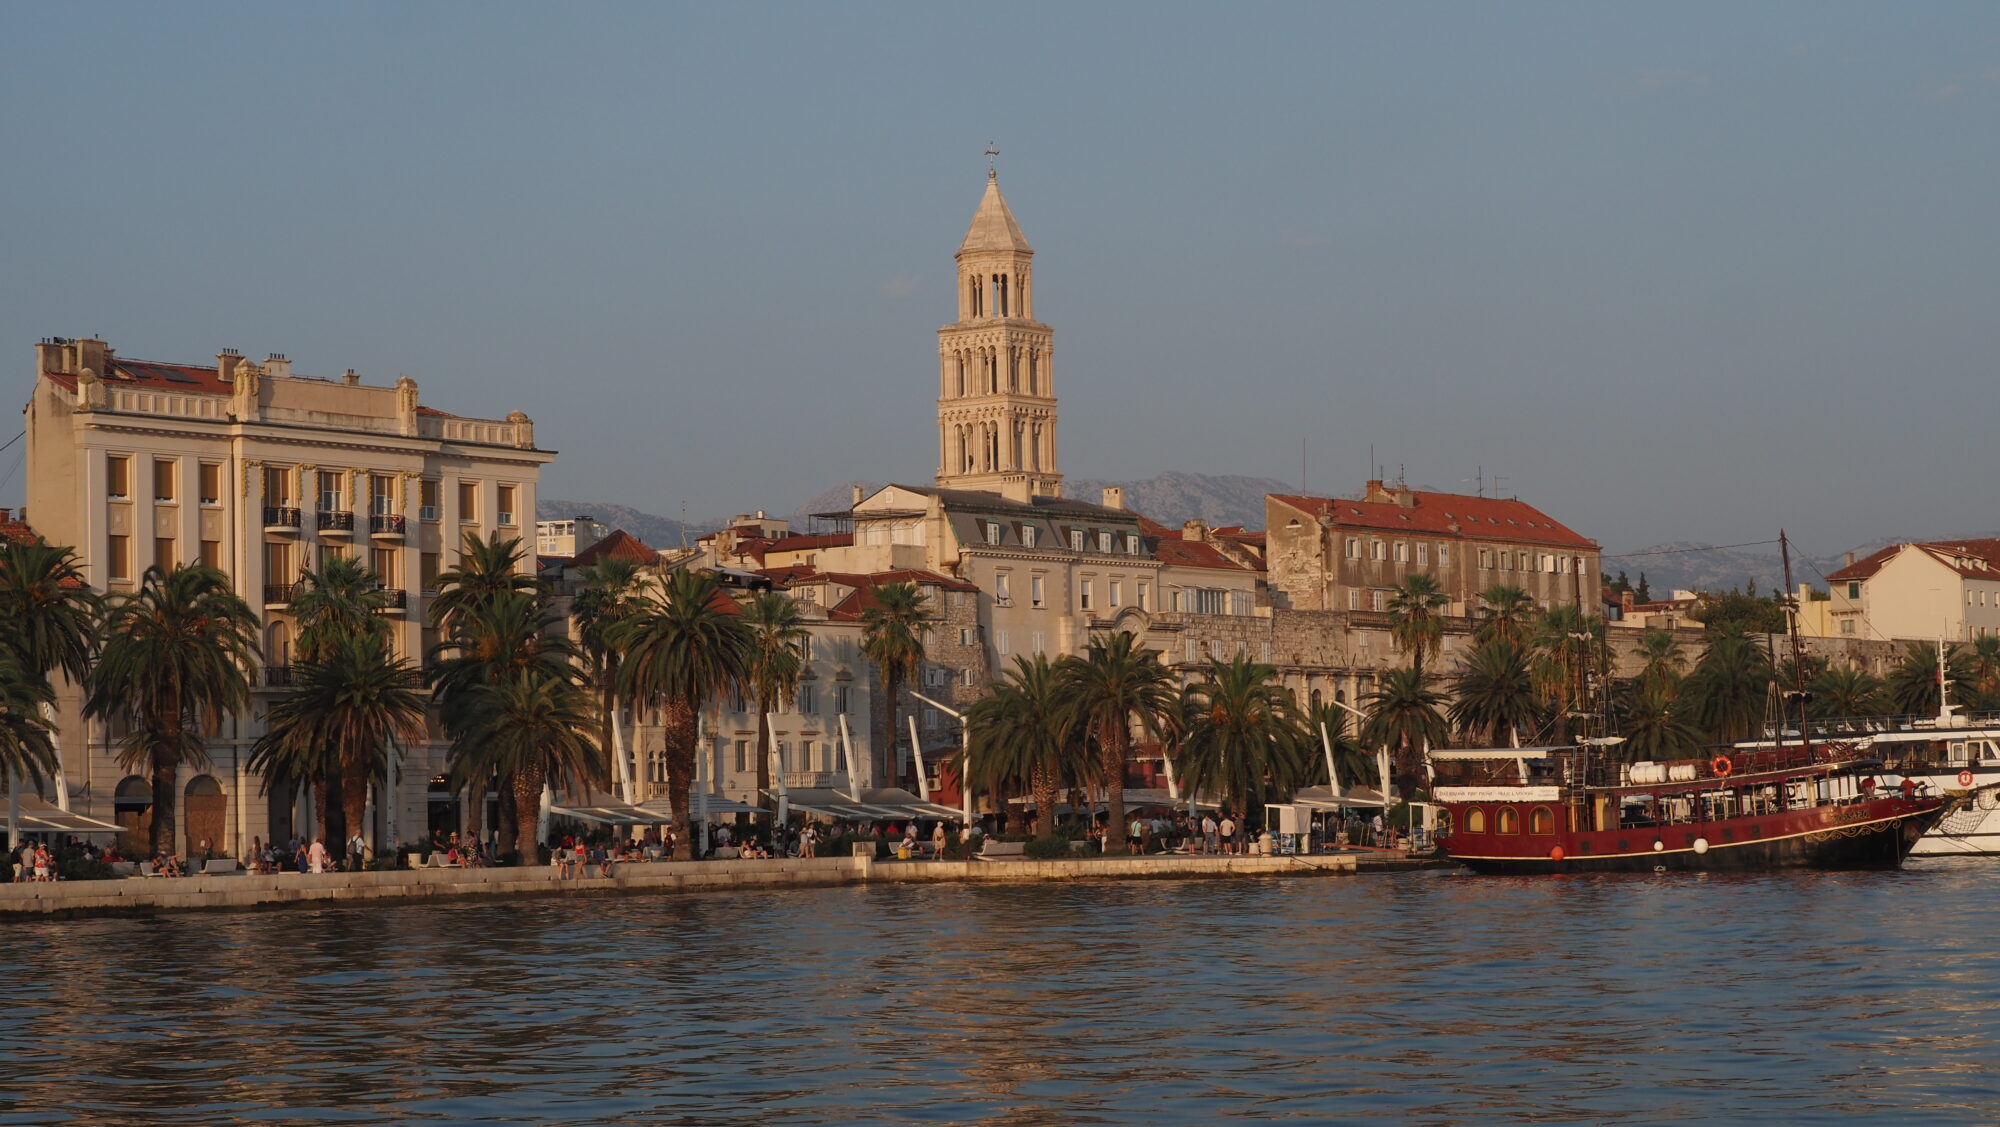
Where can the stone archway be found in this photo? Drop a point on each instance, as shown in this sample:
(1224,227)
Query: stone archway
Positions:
(205,814)
(132,809)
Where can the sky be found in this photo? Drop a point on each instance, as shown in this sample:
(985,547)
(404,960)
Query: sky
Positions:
(1676,272)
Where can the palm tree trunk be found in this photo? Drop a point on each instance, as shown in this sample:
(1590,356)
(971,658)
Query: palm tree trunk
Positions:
(890,684)
(1114,790)
(475,807)
(527,792)
(507,826)
(763,747)
(164,765)
(329,810)
(1044,787)
(353,805)
(680,739)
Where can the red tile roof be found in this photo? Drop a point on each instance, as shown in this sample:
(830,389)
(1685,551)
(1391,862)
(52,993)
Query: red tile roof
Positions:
(1193,553)
(619,545)
(1946,552)
(1866,566)
(1445,514)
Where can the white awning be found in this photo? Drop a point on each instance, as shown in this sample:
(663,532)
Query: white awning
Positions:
(40,816)
(869,804)
(615,814)
(1326,798)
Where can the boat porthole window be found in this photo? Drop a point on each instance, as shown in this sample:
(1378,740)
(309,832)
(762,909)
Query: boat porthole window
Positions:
(1540,821)
(1690,840)
(1507,821)
(1475,820)
(1756,831)
(1729,833)
(1624,845)
(1583,846)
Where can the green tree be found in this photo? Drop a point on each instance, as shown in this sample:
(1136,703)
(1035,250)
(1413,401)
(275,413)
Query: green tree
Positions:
(1416,617)
(683,649)
(608,596)
(1021,740)
(1350,759)
(1844,690)
(777,658)
(350,704)
(1912,686)
(1662,661)
(487,568)
(1729,689)
(48,626)
(892,635)
(1653,726)
(340,600)
(1740,612)
(27,735)
(175,657)
(1244,739)
(1495,692)
(529,728)
(1405,715)
(1570,645)
(1506,614)
(1115,686)
(1982,672)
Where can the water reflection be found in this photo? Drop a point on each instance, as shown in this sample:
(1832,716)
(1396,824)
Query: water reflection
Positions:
(1430,997)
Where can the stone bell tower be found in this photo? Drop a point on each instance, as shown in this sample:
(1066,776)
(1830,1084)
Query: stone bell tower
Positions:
(996,395)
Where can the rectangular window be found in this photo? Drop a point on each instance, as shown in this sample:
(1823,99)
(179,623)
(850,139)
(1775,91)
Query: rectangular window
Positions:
(1027,536)
(164,472)
(1402,552)
(278,562)
(993,532)
(381,495)
(277,486)
(1486,559)
(1145,596)
(468,500)
(1180,603)
(1035,642)
(211,483)
(1847,626)
(120,564)
(1423,553)
(427,499)
(1111,592)
(1076,539)
(1377,550)
(383,562)
(163,553)
(806,650)
(1353,598)
(1132,543)
(1000,590)
(808,700)
(1562,565)
(211,554)
(1378,600)
(1084,597)
(840,700)
(1192,653)
(329,492)
(965,635)
(1000,642)
(1444,555)
(117,476)
(742,756)
(427,571)
(1354,547)
(1854,589)
(1211,600)
(1104,542)
(1035,590)
(507,509)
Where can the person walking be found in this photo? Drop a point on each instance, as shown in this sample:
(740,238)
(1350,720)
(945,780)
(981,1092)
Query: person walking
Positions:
(356,847)
(317,857)
(937,842)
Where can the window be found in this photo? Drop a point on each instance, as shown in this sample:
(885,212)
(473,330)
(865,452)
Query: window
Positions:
(1179,601)
(507,509)
(1402,552)
(1562,565)
(1145,596)
(1076,539)
(211,554)
(1507,821)
(1000,586)
(427,571)
(383,562)
(993,532)
(211,483)
(965,635)
(806,650)
(1378,600)
(427,499)
(1854,589)
(1027,536)
(278,562)
(1111,593)
(277,486)
(808,702)
(1540,821)
(1104,542)
(164,471)
(329,491)
(1377,550)
(382,495)
(1444,555)
(1192,652)
(120,564)
(1354,547)
(1475,820)
(118,476)
(1035,642)
(1084,599)
(840,700)
(1423,553)
(742,755)
(1353,598)
(164,554)
(468,500)
(1847,626)
(1211,600)
(1035,590)
(1485,559)
(1000,642)
(1132,544)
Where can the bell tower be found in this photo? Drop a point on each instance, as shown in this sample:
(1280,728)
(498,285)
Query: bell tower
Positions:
(996,396)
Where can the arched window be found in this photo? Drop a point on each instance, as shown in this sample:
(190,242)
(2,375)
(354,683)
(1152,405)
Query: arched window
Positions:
(961,372)
(1507,821)
(1475,820)
(278,645)
(1540,821)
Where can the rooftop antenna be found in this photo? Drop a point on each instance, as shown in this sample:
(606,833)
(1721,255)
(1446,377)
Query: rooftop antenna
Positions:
(684,524)
(1497,479)
(1302,465)
(1478,481)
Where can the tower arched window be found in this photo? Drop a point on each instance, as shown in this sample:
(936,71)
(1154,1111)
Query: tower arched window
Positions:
(1000,287)
(960,355)
(1034,355)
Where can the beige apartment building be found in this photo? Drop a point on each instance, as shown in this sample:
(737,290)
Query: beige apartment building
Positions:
(261,473)
(1939,589)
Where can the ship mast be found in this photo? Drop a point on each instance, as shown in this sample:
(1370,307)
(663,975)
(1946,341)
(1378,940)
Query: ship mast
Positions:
(1798,648)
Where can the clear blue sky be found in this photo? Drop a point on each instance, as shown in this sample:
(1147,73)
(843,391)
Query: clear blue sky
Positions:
(1678,271)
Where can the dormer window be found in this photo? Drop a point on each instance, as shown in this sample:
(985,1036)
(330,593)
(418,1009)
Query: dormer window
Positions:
(1027,536)
(1076,539)
(993,532)
(1104,542)
(1132,543)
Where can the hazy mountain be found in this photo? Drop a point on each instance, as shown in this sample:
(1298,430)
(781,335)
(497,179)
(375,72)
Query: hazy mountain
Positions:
(1170,498)
(1697,567)
(655,531)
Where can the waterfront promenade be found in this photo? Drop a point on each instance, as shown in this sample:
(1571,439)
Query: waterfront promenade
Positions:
(141,895)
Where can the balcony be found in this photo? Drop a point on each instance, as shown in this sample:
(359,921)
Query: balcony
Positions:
(395,598)
(334,520)
(281,518)
(277,676)
(279,594)
(385,524)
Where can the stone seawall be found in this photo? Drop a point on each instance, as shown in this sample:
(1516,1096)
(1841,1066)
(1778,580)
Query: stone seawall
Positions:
(143,896)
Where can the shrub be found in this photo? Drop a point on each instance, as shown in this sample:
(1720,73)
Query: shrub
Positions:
(1052,848)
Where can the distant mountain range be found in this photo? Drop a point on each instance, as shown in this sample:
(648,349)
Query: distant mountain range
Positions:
(1696,567)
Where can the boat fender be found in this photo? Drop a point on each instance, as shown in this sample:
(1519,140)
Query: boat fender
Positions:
(1658,845)
(1556,854)
(1721,766)
(1701,845)
(1965,778)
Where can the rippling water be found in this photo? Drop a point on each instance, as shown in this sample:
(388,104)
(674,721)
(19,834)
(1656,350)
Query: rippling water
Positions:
(1428,998)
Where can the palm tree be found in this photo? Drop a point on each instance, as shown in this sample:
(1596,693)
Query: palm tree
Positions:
(1845,690)
(1569,644)
(342,599)
(1116,685)
(349,704)
(1415,617)
(1912,687)
(531,728)
(1506,614)
(175,656)
(1020,738)
(1495,691)
(1654,728)
(1244,736)
(1349,758)
(48,623)
(1983,672)
(777,658)
(1729,688)
(682,650)
(1405,714)
(609,594)
(1663,660)
(892,635)
(487,567)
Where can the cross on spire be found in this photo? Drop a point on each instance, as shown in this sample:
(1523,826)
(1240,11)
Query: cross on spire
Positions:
(991,152)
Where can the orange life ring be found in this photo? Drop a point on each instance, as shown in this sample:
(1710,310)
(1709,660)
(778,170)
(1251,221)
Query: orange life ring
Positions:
(1721,766)
(1965,778)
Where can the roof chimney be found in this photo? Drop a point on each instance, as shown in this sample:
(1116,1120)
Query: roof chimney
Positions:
(1194,530)
(226,363)
(857,495)
(1375,491)
(277,366)
(1114,496)
(1850,558)
(351,378)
